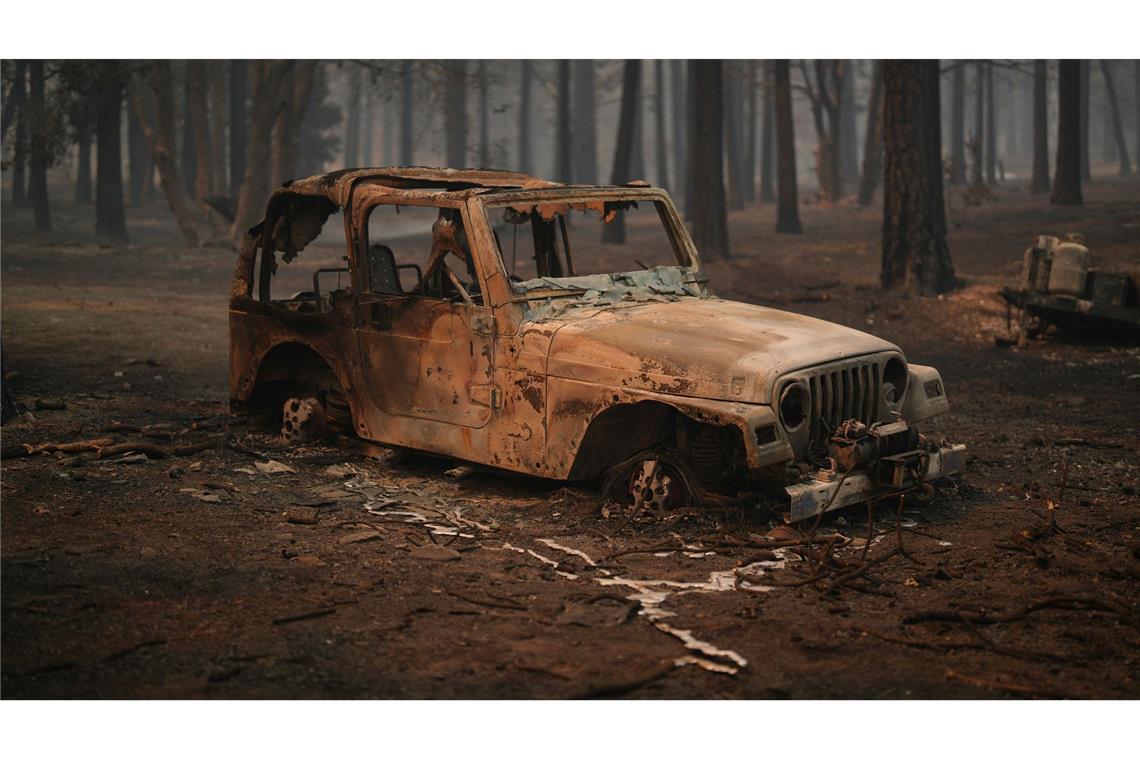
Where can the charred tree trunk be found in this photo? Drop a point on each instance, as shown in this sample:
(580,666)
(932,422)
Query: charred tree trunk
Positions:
(958,125)
(1067,176)
(563,141)
(267,99)
(217,82)
(407,114)
(239,129)
(198,114)
(110,215)
(680,141)
(991,129)
(19,103)
(977,144)
(455,113)
(915,254)
(637,151)
(767,138)
(848,149)
(1085,81)
(484,119)
(524,116)
(824,95)
(39,157)
(585,124)
(1117,126)
(352,119)
(732,137)
(1040,181)
(659,123)
(709,216)
(138,155)
(188,160)
(750,138)
(83,171)
(1136,103)
(788,208)
(872,138)
(367,127)
(614,232)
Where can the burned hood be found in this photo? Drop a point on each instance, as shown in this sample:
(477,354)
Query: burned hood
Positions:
(697,347)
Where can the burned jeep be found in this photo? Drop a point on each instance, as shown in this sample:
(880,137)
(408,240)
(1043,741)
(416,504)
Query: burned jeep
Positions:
(563,331)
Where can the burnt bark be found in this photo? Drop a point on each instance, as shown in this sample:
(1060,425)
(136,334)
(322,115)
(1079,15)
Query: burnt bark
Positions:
(1067,175)
(188,157)
(614,232)
(872,138)
(198,115)
(637,150)
(958,124)
(141,168)
(352,119)
(38,153)
(525,76)
(216,78)
(455,113)
(767,138)
(1040,180)
(915,254)
(19,113)
(709,215)
(848,149)
(823,93)
(1117,126)
(788,206)
(367,127)
(564,145)
(407,115)
(977,140)
(267,102)
(585,123)
(733,141)
(991,130)
(110,215)
(239,129)
(1083,125)
(659,123)
(680,141)
(752,81)
(83,169)
(296,87)
(1136,103)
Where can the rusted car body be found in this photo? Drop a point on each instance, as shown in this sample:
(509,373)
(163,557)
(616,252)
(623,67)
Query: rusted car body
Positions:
(642,375)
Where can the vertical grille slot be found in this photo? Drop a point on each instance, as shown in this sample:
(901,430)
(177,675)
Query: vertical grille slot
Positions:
(843,394)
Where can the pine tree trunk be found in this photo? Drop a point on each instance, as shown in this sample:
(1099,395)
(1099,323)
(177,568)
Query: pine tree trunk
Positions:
(239,128)
(138,155)
(524,117)
(848,149)
(38,158)
(680,141)
(1117,126)
(188,159)
(788,208)
(659,123)
(407,116)
(1085,81)
(296,89)
(732,139)
(614,232)
(1040,181)
(585,123)
(872,138)
(198,114)
(83,173)
(977,144)
(751,133)
(352,119)
(19,98)
(991,129)
(455,113)
(216,78)
(709,216)
(484,119)
(110,215)
(915,254)
(564,144)
(637,150)
(767,138)
(1067,178)
(1136,103)
(267,101)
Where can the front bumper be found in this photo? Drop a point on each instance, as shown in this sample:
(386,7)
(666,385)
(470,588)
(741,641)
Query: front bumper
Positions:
(827,490)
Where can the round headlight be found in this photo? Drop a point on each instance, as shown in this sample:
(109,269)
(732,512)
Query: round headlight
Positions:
(894,381)
(794,405)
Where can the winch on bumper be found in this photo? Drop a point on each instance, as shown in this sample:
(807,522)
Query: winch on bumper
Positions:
(870,462)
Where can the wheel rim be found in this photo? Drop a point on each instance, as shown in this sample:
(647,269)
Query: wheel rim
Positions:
(655,486)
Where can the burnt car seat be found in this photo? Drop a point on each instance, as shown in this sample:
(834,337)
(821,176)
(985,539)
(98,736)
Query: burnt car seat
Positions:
(382,273)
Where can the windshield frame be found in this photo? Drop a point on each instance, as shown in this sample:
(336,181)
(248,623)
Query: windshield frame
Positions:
(678,234)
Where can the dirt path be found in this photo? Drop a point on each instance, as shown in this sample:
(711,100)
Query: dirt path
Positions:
(388,578)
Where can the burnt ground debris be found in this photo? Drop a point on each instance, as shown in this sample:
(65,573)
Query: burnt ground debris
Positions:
(119,580)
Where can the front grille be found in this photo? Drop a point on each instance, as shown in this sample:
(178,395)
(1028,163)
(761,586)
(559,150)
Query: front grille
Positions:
(850,392)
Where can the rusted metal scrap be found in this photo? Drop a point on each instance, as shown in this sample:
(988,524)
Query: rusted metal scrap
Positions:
(577,371)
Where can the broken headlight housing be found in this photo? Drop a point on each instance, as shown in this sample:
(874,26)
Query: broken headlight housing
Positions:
(895,378)
(795,406)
